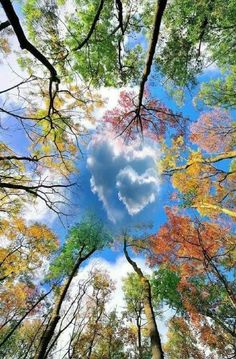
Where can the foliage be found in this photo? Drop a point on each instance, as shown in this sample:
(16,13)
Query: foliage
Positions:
(82,240)
(134,312)
(196,35)
(198,278)
(182,342)
(205,182)
(152,118)
(26,248)
(68,52)
(219,92)
(25,253)
(214,132)
(165,287)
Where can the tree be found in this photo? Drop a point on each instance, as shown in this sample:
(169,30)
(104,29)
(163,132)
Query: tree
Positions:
(83,240)
(92,39)
(134,311)
(90,329)
(196,35)
(157,352)
(197,246)
(205,182)
(43,116)
(151,118)
(91,46)
(88,341)
(26,250)
(221,91)
(219,126)
(198,277)
(113,338)
(182,342)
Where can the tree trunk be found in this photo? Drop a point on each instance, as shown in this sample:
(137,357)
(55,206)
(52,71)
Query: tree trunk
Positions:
(157,352)
(50,330)
(140,349)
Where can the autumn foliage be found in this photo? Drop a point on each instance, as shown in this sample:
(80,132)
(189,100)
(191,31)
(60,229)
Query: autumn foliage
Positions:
(152,118)
(214,131)
(184,241)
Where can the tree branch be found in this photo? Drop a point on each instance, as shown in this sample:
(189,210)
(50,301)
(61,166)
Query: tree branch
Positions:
(217,158)
(94,23)
(23,158)
(31,78)
(161,5)
(4,24)
(216,208)
(24,43)
(119,7)
(134,265)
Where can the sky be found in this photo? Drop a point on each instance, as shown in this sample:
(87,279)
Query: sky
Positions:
(119,182)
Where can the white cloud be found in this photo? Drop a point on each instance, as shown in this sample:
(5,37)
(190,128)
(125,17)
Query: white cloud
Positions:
(123,174)
(37,210)
(136,191)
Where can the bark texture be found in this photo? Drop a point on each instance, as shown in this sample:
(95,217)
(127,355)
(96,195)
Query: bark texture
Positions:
(50,330)
(157,352)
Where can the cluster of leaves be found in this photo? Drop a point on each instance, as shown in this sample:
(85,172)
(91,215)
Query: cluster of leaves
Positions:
(24,252)
(152,118)
(196,35)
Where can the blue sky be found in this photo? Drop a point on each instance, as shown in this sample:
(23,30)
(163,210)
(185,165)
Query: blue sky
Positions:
(107,172)
(126,188)
(129,181)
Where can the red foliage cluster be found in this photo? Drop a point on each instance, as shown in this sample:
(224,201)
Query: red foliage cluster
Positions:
(153,118)
(214,131)
(181,241)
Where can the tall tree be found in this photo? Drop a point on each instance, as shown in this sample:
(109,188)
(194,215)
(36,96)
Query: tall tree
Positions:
(198,277)
(134,311)
(157,352)
(83,240)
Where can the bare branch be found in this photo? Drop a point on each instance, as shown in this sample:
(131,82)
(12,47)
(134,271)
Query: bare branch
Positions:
(4,24)
(18,85)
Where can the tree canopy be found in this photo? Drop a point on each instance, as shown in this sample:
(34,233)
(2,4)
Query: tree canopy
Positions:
(124,109)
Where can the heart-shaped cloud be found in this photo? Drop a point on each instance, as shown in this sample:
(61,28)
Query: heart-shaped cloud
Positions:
(123,174)
(137,191)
